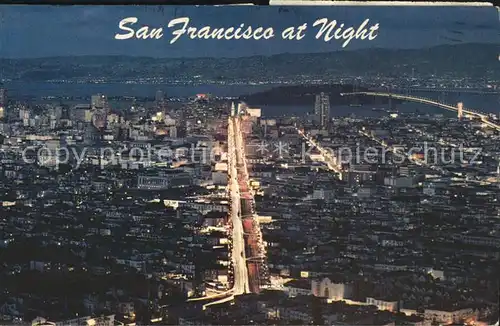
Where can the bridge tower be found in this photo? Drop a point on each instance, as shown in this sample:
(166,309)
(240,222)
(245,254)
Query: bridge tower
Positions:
(392,102)
(460,110)
(355,100)
(389,90)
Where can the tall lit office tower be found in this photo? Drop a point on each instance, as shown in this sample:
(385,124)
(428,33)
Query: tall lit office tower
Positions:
(160,100)
(322,109)
(159,97)
(3,101)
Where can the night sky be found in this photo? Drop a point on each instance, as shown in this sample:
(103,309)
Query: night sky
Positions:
(42,31)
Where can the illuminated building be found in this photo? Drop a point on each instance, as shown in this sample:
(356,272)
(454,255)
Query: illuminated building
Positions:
(331,290)
(254,112)
(3,102)
(202,96)
(322,109)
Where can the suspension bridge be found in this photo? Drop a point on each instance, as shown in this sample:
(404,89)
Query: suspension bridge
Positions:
(459,108)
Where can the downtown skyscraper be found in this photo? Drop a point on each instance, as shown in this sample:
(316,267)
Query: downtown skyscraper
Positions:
(3,101)
(322,109)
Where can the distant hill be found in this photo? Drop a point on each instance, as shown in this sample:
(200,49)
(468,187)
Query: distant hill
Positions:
(461,60)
